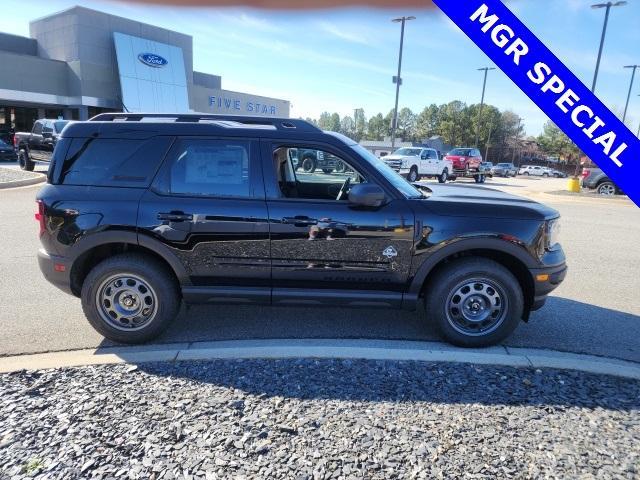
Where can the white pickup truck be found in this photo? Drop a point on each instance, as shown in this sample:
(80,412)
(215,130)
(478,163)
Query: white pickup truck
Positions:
(417,162)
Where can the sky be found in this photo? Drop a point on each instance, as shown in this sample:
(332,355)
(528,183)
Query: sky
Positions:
(342,59)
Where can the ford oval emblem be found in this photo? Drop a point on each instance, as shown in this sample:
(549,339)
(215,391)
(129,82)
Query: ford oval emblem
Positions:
(152,60)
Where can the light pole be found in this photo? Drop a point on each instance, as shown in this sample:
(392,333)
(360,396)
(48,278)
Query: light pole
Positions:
(398,79)
(484,86)
(608,6)
(633,74)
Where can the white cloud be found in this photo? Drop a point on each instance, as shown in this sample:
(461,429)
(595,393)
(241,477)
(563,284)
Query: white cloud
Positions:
(347,34)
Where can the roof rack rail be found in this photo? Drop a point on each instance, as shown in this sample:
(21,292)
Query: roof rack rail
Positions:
(277,123)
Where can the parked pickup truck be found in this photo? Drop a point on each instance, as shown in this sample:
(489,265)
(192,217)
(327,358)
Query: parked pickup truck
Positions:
(416,162)
(37,145)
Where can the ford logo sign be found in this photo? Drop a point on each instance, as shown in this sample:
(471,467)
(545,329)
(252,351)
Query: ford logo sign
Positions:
(152,60)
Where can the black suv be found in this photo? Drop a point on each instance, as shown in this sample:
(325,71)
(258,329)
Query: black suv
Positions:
(142,212)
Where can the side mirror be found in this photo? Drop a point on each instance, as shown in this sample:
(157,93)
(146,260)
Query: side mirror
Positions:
(366,195)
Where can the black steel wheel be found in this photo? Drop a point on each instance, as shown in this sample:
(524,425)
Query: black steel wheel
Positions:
(130,298)
(474,302)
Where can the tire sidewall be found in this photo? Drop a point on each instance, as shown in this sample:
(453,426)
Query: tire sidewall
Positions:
(152,272)
(449,277)
(413,174)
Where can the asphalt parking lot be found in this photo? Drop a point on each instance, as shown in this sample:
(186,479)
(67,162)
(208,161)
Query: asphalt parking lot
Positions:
(594,311)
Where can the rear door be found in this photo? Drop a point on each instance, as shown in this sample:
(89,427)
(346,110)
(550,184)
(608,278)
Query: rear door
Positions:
(207,205)
(35,140)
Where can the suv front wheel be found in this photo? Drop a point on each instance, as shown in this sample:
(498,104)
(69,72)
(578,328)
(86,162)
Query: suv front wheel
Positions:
(130,298)
(474,302)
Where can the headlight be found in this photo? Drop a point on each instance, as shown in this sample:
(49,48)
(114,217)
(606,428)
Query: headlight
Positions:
(553,232)
(405,163)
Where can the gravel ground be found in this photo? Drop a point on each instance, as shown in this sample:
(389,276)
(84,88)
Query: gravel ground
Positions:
(11,174)
(315,419)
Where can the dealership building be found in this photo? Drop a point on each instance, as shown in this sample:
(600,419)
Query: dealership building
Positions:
(81,62)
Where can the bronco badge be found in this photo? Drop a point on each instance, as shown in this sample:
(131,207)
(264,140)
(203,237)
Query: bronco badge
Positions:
(390,252)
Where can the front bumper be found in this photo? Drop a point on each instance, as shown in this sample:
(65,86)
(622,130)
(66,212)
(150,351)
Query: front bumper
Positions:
(545,281)
(57,270)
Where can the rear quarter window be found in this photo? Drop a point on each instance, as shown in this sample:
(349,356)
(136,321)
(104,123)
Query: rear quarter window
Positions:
(106,162)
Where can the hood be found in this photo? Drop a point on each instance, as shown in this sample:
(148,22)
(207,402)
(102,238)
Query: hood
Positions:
(467,201)
(395,157)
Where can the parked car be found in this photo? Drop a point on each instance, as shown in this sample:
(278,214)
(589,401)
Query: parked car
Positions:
(486,169)
(465,160)
(417,162)
(137,217)
(557,173)
(596,179)
(535,170)
(38,144)
(505,170)
(7,152)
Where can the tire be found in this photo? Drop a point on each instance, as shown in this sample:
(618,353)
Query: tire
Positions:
(327,170)
(545,175)
(607,188)
(413,174)
(308,165)
(340,167)
(24,161)
(149,281)
(471,330)
(526,173)
(442,178)
(477,178)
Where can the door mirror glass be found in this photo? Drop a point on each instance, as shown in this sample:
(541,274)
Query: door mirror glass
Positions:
(366,195)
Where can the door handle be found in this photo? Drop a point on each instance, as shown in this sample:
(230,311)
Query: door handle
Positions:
(175,216)
(300,221)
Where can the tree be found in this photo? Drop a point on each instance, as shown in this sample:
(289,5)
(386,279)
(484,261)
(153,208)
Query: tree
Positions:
(427,122)
(324,122)
(554,142)
(347,126)
(376,128)
(406,128)
(334,123)
(360,124)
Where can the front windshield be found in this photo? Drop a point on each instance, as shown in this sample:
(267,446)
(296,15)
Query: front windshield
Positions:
(465,152)
(408,152)
(390,174)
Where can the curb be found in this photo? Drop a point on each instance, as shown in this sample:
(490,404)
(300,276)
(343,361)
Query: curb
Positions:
(23,183)
(353,349)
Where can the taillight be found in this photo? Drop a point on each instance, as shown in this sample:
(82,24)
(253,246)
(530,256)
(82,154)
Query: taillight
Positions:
(40,216)
(15,141)
(585,172)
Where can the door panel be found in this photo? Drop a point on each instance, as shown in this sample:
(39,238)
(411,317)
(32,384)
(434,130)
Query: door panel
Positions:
(324,243)
(221,241)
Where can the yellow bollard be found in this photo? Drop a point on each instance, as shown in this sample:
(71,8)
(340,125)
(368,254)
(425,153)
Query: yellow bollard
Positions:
(573,185)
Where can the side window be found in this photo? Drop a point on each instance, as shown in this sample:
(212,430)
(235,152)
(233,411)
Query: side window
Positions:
(433,155)
(47,127)
(111,162)
(424,155)
(209,167)
(37,128)
(308,173)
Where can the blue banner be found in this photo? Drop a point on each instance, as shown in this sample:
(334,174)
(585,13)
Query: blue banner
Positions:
(551,86)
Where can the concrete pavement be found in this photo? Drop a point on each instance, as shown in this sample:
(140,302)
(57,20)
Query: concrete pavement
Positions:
(594,311)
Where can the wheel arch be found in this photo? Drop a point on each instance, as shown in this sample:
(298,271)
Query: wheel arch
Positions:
(512,257)
(95,250)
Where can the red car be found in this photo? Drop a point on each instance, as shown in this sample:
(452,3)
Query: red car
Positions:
(465,159)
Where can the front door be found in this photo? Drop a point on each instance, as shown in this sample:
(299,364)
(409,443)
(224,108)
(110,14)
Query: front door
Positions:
(425,163)
(326,250)
(207,205)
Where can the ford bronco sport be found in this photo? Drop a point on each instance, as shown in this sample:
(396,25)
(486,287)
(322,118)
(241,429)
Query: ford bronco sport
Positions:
(143,212)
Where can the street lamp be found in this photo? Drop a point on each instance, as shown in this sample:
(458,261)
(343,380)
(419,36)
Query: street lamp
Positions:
(633,74)
(608,6)
(398,79)
(484,86)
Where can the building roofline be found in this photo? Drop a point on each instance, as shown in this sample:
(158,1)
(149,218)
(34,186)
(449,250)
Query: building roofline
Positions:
(101,12)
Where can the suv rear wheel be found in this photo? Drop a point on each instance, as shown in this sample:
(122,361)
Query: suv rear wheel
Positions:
(413,174)
(24,161)
(474,302)
(607,188)
(130,298)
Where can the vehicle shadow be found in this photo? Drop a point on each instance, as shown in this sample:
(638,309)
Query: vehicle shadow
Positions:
(562,324)
(558,325)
